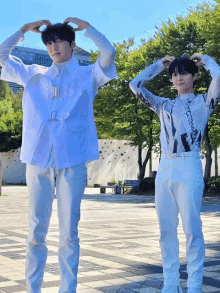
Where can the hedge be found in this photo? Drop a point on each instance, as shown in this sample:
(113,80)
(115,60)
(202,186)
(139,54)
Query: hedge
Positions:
(212,186)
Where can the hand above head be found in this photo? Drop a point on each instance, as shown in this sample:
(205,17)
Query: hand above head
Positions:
(35,26)
(167,60)
(197,58)
(81,23)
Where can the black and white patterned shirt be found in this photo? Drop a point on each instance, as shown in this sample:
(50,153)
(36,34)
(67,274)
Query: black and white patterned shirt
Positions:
(183,120)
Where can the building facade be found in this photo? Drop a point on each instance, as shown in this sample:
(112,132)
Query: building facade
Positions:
(36,56)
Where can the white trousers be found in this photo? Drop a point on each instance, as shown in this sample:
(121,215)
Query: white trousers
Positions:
(179,188)
(70,185)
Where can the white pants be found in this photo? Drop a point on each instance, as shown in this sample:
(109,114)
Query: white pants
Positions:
(179,188)
(70,185)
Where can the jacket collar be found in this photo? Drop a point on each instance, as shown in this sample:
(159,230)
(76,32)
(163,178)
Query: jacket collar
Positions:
(71,67)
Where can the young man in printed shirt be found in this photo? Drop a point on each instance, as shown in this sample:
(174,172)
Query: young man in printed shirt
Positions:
(59,138)
(179,180)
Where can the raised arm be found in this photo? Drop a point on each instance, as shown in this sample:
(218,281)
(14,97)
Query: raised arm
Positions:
(213,95)
(107,51)
(8,45)
(13,68)
(137,84)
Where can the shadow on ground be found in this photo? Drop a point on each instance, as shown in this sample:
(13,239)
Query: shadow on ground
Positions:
(210,204)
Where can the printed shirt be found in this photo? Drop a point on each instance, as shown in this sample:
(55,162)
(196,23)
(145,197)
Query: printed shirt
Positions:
(183,120)
(58,109)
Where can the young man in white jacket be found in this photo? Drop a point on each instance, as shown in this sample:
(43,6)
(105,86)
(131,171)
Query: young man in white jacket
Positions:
(179,180)
(59,138)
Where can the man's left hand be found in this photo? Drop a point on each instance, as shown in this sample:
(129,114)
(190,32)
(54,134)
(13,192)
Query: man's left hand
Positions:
(81,23)
(197,58)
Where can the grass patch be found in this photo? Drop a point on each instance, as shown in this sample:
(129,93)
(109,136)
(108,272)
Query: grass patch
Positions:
(4,195)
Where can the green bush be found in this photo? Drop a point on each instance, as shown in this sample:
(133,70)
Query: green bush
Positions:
(212,186)
(120,183)
(147,184)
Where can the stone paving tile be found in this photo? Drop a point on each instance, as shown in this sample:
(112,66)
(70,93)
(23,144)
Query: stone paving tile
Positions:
(119,245)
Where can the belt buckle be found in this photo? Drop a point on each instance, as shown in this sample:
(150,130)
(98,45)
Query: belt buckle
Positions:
(54,115)
(56,92)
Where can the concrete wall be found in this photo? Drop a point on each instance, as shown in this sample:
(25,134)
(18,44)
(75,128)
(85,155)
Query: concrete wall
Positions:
(118,161)
(13,169)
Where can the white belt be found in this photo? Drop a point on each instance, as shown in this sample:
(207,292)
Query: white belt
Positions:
(183,154)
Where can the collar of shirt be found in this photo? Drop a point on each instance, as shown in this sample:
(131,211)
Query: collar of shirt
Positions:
(71,66)
(188,97)
(62,65)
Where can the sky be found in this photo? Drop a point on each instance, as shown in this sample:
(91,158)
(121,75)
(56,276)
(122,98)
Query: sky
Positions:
(118,20)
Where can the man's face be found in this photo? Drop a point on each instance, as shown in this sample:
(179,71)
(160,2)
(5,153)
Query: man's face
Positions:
(183,82)
(60,50)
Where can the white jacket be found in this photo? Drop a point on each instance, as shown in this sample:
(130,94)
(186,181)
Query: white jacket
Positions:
(69,121)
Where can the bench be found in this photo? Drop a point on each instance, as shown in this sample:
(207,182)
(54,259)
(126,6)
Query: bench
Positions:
(131,183)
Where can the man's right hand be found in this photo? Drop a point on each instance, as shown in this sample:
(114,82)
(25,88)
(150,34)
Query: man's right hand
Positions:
(35,26)
(167,60)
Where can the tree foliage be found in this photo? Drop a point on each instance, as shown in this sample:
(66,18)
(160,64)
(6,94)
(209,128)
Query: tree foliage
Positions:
(10,118)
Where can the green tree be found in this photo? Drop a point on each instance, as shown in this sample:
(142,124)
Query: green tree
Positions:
(10,126)
(118,112)
(207,18)
(214,134)
(5,91)
(10,121)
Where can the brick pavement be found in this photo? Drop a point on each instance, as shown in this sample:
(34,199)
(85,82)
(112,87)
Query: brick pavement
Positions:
(119,244)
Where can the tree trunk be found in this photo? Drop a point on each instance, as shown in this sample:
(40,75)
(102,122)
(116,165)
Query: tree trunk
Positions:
(1,167)
(149,151)
(208,154)
(150,165)
(142,172)
(216,162)
(139,160)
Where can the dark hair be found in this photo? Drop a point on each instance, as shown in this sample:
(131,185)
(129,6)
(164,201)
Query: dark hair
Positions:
(56,31)
(183,64)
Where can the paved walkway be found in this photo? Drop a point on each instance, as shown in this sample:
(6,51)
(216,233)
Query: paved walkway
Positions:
(119,244)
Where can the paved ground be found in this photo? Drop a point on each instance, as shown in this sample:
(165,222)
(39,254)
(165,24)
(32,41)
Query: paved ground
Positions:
(119,244)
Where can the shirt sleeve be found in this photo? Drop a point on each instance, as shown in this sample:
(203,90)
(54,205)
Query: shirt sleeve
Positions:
(146,97)
(13,69)
(213,95)
(104,68)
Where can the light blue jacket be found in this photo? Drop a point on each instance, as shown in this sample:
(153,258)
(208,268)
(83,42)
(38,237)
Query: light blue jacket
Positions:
(69,121)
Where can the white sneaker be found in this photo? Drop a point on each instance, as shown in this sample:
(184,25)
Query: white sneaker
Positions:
(172,289)
(194,290)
